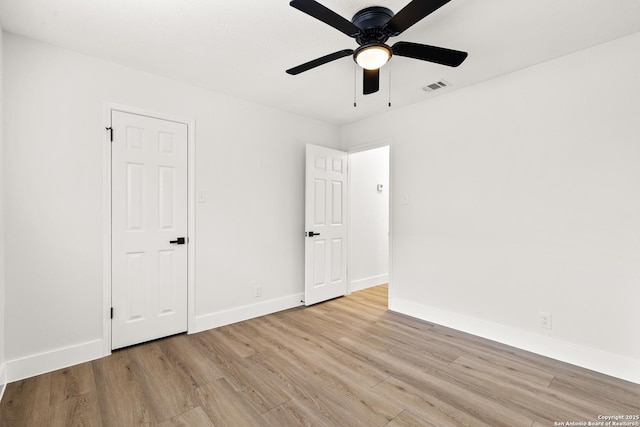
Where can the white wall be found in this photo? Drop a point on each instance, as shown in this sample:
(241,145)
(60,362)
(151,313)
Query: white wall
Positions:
(249,161)
(2,304)
(523,198)
(369,218)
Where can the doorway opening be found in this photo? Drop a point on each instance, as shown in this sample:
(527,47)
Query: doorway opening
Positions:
(347,220)
(369,216)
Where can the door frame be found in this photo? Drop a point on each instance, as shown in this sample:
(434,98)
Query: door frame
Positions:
(108,108)
(385,142)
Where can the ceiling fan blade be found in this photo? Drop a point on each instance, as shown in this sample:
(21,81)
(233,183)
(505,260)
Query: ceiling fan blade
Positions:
(370,81)
(319,61)
(439,55)
(412,13)
(329,17)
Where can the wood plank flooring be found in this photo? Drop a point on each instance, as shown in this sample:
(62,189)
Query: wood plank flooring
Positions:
(346,362)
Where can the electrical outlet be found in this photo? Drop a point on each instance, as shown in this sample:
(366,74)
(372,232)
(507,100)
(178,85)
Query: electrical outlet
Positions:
(545,320)
(257,291)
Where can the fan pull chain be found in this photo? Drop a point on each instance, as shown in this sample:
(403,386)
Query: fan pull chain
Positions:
(389,85)
(355,80)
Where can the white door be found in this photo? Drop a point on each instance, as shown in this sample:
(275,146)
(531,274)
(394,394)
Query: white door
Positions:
(149,216)
(325,224)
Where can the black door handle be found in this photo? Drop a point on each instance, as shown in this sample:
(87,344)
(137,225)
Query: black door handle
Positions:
(311,234)
(179,241)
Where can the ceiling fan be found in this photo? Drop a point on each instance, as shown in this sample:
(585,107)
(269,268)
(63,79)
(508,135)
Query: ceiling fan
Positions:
(371,28)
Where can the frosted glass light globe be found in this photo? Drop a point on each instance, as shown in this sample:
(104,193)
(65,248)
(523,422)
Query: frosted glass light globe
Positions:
(373,57)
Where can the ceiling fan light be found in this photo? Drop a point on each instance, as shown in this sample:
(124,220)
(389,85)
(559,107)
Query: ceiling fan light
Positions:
(373,56)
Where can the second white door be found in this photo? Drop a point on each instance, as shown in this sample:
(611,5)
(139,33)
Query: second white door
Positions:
(149,228)
(326,224)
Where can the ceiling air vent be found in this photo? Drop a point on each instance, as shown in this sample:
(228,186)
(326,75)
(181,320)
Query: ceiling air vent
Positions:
(435,86)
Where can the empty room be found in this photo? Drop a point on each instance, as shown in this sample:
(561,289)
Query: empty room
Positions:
(319,212)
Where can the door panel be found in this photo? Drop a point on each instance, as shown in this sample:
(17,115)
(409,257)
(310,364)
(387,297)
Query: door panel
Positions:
(336,202)
(149,209)
(326,204)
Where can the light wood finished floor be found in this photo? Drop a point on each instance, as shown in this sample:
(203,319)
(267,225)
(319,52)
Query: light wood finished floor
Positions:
(346,362)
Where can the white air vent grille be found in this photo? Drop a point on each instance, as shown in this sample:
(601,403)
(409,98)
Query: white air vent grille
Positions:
(435,86)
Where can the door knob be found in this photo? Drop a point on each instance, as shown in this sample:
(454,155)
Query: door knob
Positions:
(179,241)
(311,234)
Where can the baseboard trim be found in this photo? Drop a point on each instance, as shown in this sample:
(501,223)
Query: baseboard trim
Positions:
(368,282)
(3,379)
(49,361)
(246,312)
(615,365)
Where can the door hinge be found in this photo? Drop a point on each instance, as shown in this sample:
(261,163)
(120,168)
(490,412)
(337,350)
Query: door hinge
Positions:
(110,129)
(111,313)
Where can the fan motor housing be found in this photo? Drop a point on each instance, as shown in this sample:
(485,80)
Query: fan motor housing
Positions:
(371,22)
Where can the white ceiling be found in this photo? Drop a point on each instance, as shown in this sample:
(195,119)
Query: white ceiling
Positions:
(243,47)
